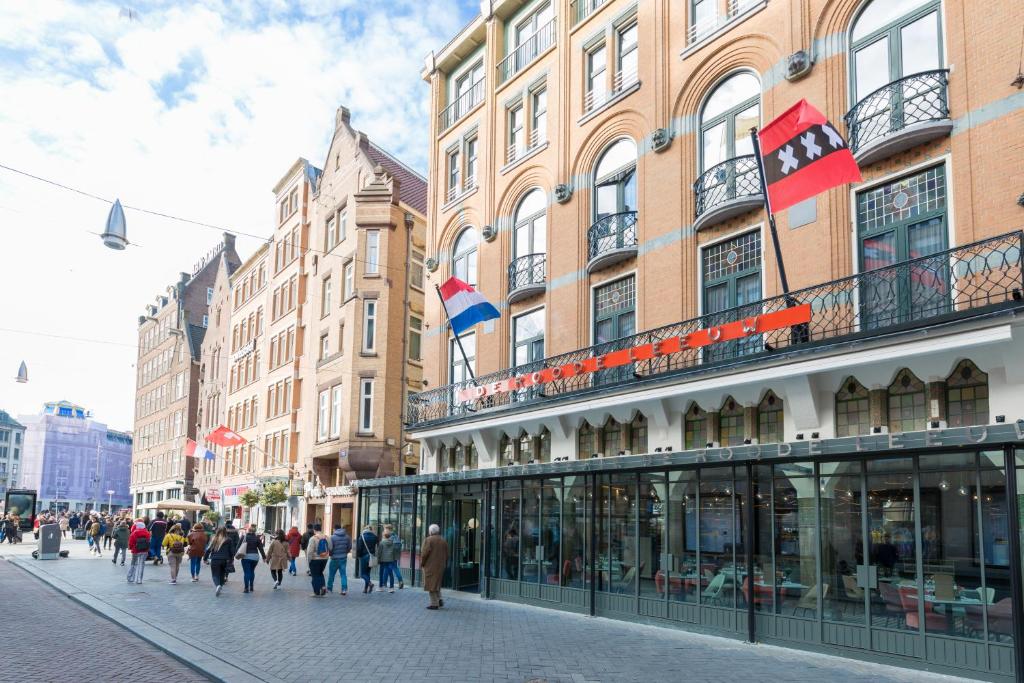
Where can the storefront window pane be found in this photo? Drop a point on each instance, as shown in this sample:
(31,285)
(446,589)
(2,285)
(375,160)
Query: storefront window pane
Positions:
(575,533)
(890,515)
(764,580)
(795,541)
(529,559)
(995,532)
(509,565)
(550,538)
(717,537)
(684,579)
(842,541)
(616,515)
(652,533)
(406,532)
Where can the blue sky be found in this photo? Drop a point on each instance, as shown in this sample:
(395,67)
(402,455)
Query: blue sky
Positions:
(193,109)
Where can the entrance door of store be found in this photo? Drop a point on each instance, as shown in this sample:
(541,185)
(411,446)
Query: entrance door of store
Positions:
(463,530)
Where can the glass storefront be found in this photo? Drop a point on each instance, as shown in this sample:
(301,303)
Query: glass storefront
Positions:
(907,557)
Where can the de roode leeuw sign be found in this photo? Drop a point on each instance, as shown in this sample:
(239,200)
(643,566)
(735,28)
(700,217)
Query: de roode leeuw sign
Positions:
(738,329)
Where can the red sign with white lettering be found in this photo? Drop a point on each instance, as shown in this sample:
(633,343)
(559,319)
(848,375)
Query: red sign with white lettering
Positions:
(748,327)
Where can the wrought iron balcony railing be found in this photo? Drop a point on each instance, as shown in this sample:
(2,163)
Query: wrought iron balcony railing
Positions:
(527,273)
(581,9)
(527,51)
(956,284)
(732,179)
(461,106)
(612,233)
(919,98)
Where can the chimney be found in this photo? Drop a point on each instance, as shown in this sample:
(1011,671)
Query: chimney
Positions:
(343,115)
(229,241)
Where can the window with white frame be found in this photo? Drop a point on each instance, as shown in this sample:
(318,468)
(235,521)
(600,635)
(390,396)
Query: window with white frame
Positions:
(471,162)
(325,349)
(325,297)
(331,234)
(454,173)
(209,295)
(369,325)
(416,270)
(516,132)
(366,405)
(342,224)
(539,116)
(372,252)
(336,411)
(324,415)
(627,51)
(597,80)
(350,278)
(206,321)
(415,337)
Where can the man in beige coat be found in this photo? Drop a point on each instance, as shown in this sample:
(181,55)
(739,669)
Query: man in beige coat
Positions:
(433,560)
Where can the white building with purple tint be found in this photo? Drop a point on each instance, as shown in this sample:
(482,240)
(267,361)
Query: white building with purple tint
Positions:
(73,461)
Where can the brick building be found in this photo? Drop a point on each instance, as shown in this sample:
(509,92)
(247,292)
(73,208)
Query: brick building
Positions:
(633,438)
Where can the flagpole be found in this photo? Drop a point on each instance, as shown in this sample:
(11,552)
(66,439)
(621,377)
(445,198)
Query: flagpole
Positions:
(771,216)
(458,341)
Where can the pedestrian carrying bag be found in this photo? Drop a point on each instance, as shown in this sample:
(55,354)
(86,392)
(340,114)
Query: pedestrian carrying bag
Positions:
(177,547)
(321,549)
(373,558)
(142,544)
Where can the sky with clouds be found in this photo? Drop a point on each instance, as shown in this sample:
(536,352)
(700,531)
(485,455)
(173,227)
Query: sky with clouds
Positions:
(192,109)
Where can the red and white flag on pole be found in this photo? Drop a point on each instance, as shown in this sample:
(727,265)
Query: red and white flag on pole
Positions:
(802,155)
(222,436)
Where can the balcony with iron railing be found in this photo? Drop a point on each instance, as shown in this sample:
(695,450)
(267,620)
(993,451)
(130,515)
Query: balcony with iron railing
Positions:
(727,190)
(517,150)
(527,276)
(581,9)
(698,31)
(528,50)
(622,81)
(462,105)
(954,286)
(611,239)
(900,115)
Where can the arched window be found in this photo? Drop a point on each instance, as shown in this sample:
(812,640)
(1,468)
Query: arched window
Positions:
(853,413)
(769,419)
(464,256)
(892,39)
(967,396)
(530,225)
(611,438)
(638,435)
(696,431)
(907,410)
(730,423)
(732,109)
(615,180)
(586,443)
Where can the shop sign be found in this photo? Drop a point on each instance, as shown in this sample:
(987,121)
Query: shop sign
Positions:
(296,487)
(231,494)
(212,494)
(341,491)
(246,349)
(738,329)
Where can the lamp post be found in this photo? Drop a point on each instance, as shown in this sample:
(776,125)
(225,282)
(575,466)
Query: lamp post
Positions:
(110,501)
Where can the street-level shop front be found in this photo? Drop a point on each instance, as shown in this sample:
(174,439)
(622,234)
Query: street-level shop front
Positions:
(904,548)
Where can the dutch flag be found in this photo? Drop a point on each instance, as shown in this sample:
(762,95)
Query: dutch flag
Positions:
(465,306)
(194,450)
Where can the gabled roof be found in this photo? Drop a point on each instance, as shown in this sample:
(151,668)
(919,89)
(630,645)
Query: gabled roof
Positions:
(7,421)
(195,340)
(412,187)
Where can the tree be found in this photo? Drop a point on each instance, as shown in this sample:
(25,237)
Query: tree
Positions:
(249,499)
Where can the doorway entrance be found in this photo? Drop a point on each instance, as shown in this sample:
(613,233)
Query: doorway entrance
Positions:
(463,530)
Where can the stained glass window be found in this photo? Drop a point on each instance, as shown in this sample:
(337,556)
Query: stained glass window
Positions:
(907,410)
(696,427)
(967,396)
(853,413)
(730,423)
(769,419)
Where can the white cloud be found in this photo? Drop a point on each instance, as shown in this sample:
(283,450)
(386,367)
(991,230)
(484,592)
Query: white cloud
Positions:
(195,110)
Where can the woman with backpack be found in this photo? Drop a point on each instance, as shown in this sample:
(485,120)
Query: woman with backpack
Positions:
(250,550)
(121,541)
(317,553)
(174,543)
(218,555)
(277,557)
(138,545)
(294,539)
(197,539)
(95,531)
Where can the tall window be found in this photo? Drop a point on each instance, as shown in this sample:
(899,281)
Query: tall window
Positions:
(586,441)
(416,270)
(703,16)
(336,411)
(967,396)
(730,423)
(528,338)
(415,337)
(372,252)
(892,39)
(732,278)
(464,256)
(531,225)
(209,295)
(516,132)
(454,173)
(611,438)
(638,435)
(331,231)
(342,224)
(907,409)
(726,119)
(695,427)
(597,79)
(539,115)
(769,419)
(468,90)
(324,415)
(365,405)
(350,278)
(457,368)
(615,180)
(325,348)
(369,325)
(471,162)
(627,56)
(325,297)
(615,310)
(853,412)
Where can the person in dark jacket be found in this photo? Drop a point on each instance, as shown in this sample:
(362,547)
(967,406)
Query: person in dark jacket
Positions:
(157,530)
(252,551)
(186,525)
(366,546)
(341,546)
(218,555)
(304,541)
(74,523)
(120,541)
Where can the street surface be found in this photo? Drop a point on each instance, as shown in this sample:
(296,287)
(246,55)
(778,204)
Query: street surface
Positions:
(287,635)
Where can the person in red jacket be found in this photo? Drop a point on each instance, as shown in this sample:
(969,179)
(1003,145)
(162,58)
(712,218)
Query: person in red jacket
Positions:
(139,541)
(294,539)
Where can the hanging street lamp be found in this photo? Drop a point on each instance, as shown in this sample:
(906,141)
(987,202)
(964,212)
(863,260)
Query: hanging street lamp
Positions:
(22,377)
(116,234)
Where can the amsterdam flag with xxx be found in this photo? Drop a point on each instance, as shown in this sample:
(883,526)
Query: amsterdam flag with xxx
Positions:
(803,155)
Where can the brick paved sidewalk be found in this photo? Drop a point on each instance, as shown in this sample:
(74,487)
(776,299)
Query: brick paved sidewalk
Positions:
(54,638)
(288,636)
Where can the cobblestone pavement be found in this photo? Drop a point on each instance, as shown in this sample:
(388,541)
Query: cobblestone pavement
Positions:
(54,638)
(287,635)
